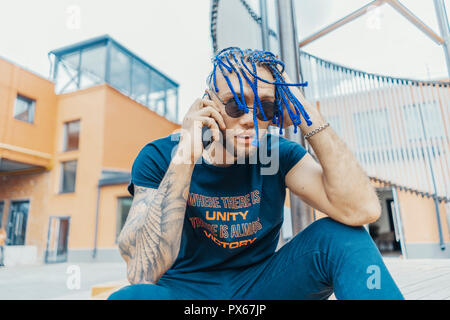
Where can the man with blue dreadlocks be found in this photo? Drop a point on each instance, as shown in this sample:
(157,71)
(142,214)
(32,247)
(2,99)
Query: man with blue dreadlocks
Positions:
(205,219)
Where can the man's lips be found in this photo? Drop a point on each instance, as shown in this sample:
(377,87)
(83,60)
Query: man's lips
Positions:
(245,139)
(245,135)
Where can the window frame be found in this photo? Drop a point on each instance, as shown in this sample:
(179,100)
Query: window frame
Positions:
(65,135)
(10,221)
(31,102)
(61,179)
(51,256)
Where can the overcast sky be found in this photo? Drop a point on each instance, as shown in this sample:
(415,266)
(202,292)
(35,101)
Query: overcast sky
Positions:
(174,35)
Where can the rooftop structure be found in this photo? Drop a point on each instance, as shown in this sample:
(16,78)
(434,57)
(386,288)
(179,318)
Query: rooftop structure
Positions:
(104,60)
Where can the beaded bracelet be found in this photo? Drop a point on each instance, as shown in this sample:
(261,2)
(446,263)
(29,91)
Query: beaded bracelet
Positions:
(309,134)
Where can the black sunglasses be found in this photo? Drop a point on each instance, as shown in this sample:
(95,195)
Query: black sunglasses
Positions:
(232,109)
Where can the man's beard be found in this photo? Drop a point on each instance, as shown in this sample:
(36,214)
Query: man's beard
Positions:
(230,144)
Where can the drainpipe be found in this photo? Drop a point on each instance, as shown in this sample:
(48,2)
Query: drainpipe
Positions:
(398,220)
(435,196)
(94,251)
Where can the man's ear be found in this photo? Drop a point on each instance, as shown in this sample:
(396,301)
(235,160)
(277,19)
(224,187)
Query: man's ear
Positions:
(209,94)
(206,95)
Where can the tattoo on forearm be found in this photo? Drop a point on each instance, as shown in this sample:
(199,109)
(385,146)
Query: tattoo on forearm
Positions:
(150,239)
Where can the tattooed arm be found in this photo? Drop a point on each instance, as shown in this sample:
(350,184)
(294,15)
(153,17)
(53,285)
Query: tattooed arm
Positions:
(150,240)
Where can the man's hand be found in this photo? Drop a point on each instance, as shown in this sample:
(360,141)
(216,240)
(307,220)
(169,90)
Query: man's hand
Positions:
(203,112)
(338,187)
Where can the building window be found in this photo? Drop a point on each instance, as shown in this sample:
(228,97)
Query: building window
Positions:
(123,207)
(57,240)
(68,176)
(428,114)
(71,135)
(17,223)
(24,109)
(119,71)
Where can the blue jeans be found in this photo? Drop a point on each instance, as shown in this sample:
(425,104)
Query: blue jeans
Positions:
(325,257)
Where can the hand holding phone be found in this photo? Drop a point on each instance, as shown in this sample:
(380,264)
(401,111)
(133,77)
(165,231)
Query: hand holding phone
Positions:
(207,137)
(201,117)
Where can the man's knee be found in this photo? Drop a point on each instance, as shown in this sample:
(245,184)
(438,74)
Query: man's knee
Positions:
(142,292)
(327,231)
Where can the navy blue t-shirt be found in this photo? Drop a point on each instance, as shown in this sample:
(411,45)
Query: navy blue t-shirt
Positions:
(233,214)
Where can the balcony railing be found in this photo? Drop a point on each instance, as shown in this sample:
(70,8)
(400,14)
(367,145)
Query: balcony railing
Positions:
(399,129)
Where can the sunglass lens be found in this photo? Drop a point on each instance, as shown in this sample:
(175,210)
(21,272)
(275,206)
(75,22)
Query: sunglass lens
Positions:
(269,110)
(269,107)
(232,109)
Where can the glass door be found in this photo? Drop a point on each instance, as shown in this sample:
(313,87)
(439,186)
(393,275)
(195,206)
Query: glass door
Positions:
(58,238)
(17,223)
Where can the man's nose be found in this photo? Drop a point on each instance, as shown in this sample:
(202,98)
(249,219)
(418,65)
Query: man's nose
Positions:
(247,119)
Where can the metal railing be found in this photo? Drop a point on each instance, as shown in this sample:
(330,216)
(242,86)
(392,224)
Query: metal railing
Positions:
(397,128)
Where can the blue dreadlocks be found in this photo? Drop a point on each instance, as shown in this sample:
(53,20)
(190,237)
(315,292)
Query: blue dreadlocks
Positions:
(232,59)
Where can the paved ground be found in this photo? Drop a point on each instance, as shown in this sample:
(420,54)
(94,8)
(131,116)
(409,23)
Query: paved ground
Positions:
(57,281)
(421,279)
(417,279)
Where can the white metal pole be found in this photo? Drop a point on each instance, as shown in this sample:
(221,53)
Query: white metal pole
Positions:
(264,25)
(444,29)
(288,41)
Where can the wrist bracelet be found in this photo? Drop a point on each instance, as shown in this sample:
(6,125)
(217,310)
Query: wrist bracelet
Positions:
(310,134)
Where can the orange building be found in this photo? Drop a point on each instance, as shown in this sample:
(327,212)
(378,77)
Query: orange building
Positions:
(67,146)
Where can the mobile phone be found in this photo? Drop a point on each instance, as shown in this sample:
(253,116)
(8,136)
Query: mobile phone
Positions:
(207,137)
